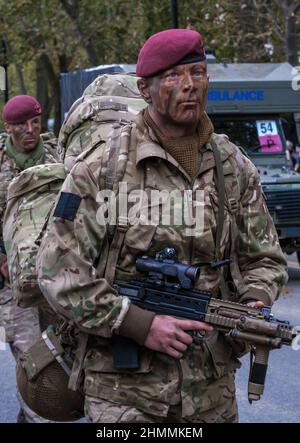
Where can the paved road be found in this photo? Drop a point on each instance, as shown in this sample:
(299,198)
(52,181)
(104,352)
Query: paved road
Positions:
(281,400)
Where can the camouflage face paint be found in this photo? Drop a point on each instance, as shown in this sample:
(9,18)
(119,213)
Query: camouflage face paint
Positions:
(179,95)
(25,135)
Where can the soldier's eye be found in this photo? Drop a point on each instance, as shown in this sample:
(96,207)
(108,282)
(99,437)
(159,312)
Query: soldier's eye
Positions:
(202,74)
(172,75)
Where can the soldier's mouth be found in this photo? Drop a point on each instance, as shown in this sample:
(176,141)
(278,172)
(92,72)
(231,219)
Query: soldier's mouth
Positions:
(189,103)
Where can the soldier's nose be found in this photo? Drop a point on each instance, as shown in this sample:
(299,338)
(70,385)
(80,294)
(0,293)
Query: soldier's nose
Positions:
(187,82)
(29,127)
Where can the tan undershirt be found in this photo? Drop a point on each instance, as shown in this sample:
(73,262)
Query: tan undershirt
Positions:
(185,150)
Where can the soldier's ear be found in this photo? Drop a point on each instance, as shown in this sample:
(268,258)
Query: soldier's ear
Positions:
(7,128)
(143,86)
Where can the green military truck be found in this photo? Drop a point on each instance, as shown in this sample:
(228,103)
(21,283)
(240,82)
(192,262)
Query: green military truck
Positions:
(250,102)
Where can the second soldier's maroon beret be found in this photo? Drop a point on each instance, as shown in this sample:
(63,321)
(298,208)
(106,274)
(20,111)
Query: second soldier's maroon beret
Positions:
(169,48)
(21,108)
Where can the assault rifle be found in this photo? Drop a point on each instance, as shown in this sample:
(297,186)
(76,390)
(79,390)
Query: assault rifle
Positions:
(167,290)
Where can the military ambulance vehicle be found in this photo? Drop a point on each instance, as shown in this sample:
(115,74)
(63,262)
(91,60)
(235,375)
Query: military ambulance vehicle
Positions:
(250,102)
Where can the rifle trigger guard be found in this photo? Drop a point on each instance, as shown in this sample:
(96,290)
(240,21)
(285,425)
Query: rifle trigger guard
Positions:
(198,336)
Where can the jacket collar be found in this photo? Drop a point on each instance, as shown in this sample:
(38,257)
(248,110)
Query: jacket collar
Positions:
(148,147)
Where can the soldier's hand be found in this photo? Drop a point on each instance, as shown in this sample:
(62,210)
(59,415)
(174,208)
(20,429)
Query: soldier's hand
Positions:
(255,304)
(167,334)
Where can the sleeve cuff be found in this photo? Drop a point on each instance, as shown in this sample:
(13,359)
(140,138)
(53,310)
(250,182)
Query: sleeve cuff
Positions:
(136,324)
(255,294)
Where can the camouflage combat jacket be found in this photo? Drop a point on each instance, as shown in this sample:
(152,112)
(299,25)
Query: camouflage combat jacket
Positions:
(9,170)
(68,263)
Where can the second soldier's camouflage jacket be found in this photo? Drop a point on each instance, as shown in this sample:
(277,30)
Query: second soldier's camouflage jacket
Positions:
(9,170)
(68,263)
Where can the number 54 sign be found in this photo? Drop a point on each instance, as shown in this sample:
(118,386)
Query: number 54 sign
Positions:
(2,79)
(268,136)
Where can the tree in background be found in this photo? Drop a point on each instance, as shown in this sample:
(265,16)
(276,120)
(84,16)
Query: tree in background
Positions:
(247,30)
(42,43)
(290,11)
(46,37)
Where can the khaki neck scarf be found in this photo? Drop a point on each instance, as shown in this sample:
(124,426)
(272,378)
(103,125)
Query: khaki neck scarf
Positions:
(22,159)
(185,150)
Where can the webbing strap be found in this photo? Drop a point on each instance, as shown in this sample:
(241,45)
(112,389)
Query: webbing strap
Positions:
(112,179)
(75,376)
(220,184)
(113,251)
(104,106)
(118,238)
(112,163)
(2,156)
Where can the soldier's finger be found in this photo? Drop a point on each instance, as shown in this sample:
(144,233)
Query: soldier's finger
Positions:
(194,325)
(183,337)
(179,346)
(255,304)
(173,352)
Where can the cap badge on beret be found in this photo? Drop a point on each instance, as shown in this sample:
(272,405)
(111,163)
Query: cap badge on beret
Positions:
(37,108)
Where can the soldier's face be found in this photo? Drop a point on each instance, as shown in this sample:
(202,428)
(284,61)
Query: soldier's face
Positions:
(178,96)
(25,135)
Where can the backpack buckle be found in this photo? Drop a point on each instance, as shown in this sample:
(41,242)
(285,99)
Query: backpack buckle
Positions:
(233,205)
(122,223)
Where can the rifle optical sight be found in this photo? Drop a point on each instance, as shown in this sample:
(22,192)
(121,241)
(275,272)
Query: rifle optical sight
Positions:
(162,269)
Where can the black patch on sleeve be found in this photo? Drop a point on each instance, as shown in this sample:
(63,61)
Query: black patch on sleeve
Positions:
(67,206)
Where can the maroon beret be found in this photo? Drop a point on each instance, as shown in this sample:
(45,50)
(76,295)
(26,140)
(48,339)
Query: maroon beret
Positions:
(21,108)
(169,48)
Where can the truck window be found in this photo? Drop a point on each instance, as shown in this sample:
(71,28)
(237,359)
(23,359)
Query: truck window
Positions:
(256,134)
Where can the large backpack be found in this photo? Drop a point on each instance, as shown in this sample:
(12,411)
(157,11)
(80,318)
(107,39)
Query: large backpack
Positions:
(31,196)
(108,99)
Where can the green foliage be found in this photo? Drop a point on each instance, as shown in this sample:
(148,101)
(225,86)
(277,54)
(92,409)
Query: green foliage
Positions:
(76,34)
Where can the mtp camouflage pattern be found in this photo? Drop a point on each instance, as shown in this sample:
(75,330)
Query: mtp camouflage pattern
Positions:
(69,272)
(109,98)
(22,326)
(9,170)
(30,197)
(102,411)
